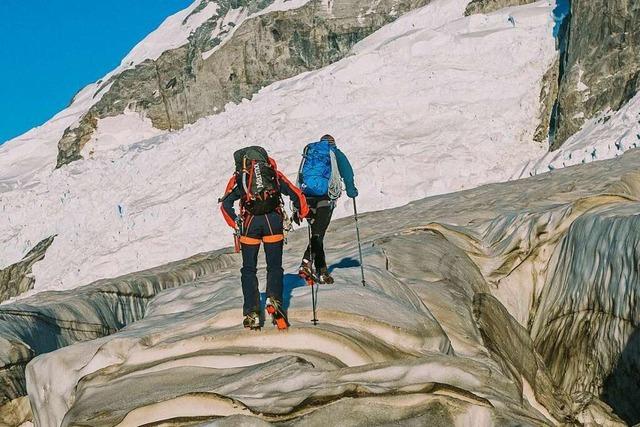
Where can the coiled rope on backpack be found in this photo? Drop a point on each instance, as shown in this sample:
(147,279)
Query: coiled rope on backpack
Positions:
(335,182)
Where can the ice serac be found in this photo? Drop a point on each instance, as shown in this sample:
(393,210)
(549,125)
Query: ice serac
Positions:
(511,342)
(17,278)
(48,321)
(590,304)
(241,48)
(569,274)
(601,66)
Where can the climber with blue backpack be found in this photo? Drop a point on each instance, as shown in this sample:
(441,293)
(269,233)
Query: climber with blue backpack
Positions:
(322,170)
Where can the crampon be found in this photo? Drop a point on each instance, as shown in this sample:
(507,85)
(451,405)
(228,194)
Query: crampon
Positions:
(279,319)
(308,275)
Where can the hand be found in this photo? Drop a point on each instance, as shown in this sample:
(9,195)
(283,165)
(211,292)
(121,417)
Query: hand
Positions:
(296,218)
(352,192)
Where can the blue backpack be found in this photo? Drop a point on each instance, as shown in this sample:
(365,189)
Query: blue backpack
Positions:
(315,175)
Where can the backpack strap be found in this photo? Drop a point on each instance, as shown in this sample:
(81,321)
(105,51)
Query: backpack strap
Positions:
(302,161)
(274,165)
(232,183)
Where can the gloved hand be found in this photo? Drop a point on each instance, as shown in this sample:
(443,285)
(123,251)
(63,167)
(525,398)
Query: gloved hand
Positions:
(296,218)
(238,226)
(352,192)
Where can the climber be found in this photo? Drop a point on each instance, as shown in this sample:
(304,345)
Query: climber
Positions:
(258,185)
(322,170)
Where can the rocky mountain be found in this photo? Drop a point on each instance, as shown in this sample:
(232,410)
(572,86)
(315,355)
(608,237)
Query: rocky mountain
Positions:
(199,78)
(241,48)
(227,51)
(600,67)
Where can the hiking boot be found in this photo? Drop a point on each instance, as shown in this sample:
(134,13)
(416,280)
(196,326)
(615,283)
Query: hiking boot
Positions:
(252,321)
(274,308)
(325,277)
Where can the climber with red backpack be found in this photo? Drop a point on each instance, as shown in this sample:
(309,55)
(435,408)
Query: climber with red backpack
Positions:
(258,185)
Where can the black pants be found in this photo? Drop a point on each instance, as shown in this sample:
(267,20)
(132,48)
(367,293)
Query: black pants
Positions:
(319,219)
(265,229)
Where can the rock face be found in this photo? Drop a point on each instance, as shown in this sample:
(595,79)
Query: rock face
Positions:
(201,77)
(16,278)
(479,307)
(601,65)
(488,6)
(548,97)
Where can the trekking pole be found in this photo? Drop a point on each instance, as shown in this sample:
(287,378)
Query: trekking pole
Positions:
(355,215)
(314,295)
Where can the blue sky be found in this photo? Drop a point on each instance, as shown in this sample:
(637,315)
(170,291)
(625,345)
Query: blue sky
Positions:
(50,49)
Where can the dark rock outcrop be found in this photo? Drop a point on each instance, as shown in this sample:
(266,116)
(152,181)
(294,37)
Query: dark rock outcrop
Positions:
(195,81)
(601,67)
(16,278)
(548,96)
(488,6)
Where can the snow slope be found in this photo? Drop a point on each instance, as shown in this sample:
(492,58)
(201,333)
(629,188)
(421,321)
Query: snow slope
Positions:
(172,33)
(29,158)
(433,103)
